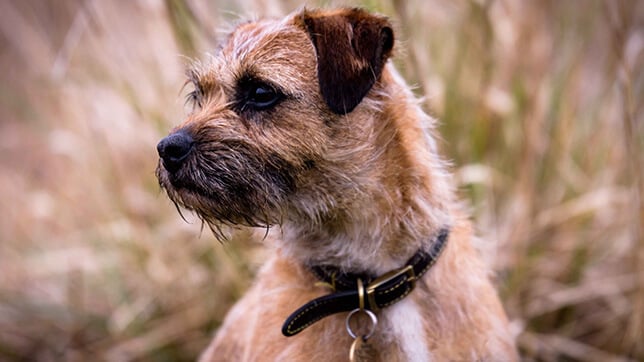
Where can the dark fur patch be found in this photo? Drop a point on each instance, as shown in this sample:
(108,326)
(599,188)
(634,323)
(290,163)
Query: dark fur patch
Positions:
(352,48)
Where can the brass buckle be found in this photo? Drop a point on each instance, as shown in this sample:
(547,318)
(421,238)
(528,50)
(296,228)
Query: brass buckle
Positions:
(371,288)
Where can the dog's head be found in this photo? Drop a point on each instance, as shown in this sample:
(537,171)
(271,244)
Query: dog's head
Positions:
(269,106)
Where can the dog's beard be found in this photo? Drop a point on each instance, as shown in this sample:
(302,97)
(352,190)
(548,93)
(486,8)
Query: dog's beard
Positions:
(230,187)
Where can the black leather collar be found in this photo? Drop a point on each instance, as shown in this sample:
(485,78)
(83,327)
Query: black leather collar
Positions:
(377,292)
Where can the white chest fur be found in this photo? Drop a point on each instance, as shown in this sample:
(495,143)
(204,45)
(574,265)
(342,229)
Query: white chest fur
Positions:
(403,322)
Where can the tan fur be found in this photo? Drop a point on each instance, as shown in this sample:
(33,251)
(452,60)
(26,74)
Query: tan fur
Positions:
(377,193)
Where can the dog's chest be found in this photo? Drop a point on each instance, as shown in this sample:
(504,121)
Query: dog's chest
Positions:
(402,325)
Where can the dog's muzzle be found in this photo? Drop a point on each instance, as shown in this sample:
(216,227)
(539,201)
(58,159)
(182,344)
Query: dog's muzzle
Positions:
(175,149)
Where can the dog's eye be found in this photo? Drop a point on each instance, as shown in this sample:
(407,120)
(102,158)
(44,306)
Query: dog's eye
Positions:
(262,96)
(255,94)
(194,98)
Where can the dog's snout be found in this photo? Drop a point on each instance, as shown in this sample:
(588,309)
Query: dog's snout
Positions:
(174,149)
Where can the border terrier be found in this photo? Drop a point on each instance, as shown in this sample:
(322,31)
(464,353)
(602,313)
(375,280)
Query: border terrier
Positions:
(302,124)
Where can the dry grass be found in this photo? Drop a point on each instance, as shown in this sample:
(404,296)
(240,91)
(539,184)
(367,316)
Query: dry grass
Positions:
(541,108)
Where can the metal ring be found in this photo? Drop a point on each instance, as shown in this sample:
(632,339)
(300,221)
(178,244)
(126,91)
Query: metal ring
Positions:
(360,294)
(372,316)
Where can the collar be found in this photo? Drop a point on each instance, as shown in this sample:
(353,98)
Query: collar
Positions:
(363,291)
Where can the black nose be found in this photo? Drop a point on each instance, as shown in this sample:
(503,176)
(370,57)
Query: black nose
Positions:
(174,149)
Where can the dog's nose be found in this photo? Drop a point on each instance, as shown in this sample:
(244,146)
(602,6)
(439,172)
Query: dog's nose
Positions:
(174,149)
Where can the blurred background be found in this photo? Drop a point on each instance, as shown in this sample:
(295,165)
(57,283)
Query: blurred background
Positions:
(541,111)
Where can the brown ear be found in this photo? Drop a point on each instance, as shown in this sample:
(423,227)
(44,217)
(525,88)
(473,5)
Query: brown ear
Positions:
(352,47)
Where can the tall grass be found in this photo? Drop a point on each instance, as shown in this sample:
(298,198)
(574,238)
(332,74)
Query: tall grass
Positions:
(540,106)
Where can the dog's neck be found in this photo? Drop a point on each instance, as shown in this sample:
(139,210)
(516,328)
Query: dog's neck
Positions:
(387,220)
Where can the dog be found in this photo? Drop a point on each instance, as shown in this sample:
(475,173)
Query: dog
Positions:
(302,126)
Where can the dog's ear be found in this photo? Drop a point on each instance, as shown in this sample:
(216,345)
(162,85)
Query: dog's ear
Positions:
(352,48)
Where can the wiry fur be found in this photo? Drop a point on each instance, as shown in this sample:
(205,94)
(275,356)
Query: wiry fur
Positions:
(362,190)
